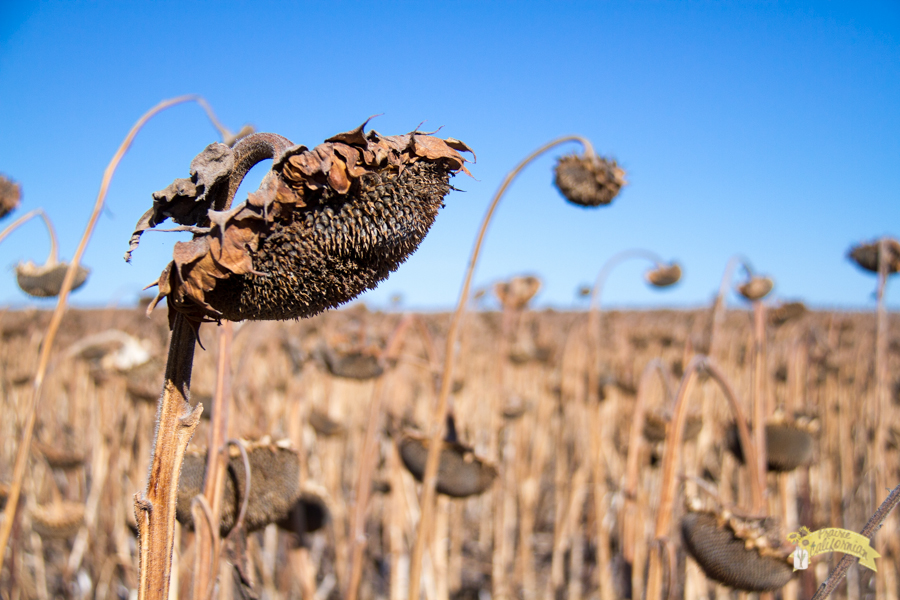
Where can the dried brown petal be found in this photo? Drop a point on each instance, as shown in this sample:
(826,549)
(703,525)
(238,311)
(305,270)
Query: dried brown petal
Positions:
(866,255)
(664,275)
(589,181)
(10,196)
(45,281)
(756,288)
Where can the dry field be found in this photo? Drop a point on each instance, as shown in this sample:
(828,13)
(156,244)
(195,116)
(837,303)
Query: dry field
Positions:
(552,523)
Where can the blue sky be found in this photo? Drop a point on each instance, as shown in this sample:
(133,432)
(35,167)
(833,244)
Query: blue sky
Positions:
(770,129)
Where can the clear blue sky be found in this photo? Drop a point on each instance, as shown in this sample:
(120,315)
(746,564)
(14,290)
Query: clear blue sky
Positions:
(767,128)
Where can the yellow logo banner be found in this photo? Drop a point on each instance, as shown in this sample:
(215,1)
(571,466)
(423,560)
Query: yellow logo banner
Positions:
(832,539)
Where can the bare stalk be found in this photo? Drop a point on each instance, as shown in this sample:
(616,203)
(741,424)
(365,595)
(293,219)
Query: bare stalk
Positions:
(632,465)
(719,305)
(758,468)
(44,360)
(881,398)
(869,531)
(672,453)
(154,510)
(208,547)
(437,420)
(594,312)
(367,464)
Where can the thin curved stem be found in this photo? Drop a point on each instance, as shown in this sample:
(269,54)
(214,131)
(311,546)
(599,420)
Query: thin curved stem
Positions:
(719,305)
(61,303)
(248,152)
(671,456)
(53,257)
(228,138)
(437,420)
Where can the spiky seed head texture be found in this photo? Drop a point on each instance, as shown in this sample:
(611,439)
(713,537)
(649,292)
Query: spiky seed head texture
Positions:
(664,275)
(460,472)
(45,281)
(724,555)
(866,255)
(756,288)
(325,225)
(588,180)
(10,196)
(274,484)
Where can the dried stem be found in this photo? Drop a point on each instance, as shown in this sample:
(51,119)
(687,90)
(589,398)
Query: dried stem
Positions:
(206,568)
(758,467)
(367,464)
(719,305)
(635,437)
(672,453)
(47,345)
(437,420)
(53,257)
(869,531)
(175,424)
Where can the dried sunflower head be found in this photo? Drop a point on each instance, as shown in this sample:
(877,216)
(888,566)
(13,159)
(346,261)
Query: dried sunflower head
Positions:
(664,275)
(460,473)
(789,444)
(588,180)
(516,293)
(10,196)
(787,311)
(45,281)
(274,484)
(866,255)
(325,225)
(58,520)
(756,288)
(742,553)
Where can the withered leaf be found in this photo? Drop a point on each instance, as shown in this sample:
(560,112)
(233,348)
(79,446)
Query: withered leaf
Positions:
(231,252)
(462,147)
(337,177)
(354,137)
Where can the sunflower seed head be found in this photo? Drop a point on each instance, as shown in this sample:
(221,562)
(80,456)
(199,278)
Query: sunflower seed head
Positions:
(460,473)
(756,288)
(587,180)
(664,275)
(274,484)
(516,293)
(866,255)
(45,281)
(325,225)
(10,196)
(740,553)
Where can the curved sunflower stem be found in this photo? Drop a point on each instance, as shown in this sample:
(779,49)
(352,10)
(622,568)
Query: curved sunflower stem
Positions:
(594,312)
(24,448)
(53,257)
(438,417)
(672,454)
(719,305)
